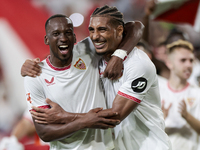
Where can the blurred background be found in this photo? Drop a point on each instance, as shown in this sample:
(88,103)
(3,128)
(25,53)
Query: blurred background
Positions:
(22,37)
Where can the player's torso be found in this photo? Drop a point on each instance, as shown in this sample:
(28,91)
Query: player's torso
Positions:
(76,87)
(146,121)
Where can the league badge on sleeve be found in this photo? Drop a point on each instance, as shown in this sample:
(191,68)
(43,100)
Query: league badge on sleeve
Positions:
(139,85)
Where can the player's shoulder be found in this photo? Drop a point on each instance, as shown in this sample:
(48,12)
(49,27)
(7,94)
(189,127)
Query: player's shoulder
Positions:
(31,80)
(138,60)
(84,45)
(137,56)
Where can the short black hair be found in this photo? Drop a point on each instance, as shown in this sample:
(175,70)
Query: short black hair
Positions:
(54,16)
(116,17)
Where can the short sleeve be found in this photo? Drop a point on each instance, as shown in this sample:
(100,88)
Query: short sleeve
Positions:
(139,78)
(34,92)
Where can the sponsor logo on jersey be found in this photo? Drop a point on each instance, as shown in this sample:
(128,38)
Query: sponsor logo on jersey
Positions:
(28,97)
(80,64)
(139,85)
(50,82)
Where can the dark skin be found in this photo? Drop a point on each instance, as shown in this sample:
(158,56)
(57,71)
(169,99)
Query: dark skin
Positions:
(56,115)
(133,32)
(66,120)
(60,38)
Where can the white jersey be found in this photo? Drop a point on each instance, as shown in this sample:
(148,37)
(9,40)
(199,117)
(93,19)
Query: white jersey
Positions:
(76,88)
(182,136)
(143,128)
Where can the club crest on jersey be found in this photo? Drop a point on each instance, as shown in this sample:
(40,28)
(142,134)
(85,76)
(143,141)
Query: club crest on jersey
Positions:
(139,85)
(80,64)
(51,82)
(190,101)
(28,97)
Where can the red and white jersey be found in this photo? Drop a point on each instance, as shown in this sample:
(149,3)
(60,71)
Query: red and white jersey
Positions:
(76,88)
(143,128)
(182,136)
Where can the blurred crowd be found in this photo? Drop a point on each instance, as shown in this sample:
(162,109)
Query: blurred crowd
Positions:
(157,35)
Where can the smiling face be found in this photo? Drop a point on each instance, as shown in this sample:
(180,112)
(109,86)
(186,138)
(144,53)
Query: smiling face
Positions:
(105,36)
(180,62)
(61,38)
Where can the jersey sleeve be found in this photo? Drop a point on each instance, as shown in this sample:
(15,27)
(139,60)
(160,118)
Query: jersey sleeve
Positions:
(139,78)
(34,93)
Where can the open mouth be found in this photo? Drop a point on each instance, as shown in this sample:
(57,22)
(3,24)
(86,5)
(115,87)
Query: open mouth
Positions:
(63,49)
(99,45)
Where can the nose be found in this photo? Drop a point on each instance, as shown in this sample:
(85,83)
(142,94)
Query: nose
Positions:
(95,35)
(63,37)
(189,64)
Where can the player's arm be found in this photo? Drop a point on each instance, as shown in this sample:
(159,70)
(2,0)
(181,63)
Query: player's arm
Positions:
(192,121)
(123,106)
(31,68)
(132,34)
(55,123)
(149,9)
(139,78)
(50,132)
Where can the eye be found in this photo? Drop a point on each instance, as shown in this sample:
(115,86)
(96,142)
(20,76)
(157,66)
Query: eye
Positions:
(102,29)
(91,29)
(55,33)
(183,60)
(68,33)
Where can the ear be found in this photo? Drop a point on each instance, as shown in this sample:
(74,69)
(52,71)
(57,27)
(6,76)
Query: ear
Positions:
(74,38)
(120,30)
(46,40)
(169,63)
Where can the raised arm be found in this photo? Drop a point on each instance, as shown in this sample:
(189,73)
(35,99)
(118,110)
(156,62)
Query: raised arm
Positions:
(149,9)
(132,34)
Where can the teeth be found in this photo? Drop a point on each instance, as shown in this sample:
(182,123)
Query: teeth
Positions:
(63,46)
(99,43)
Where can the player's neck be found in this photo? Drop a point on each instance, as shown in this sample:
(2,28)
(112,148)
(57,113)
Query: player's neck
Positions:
(176,83)
(60,63)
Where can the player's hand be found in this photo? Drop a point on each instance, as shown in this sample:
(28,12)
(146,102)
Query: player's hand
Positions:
(182,108)
(93,119)
(31,68)
(114,68)
(165,110)
(54,115)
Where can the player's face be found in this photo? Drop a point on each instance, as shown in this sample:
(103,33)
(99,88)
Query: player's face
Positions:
(104,36)
(61,38)
(181,63)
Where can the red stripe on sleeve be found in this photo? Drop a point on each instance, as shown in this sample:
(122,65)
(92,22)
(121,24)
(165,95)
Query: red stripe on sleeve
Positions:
(129,97)
(43,107)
